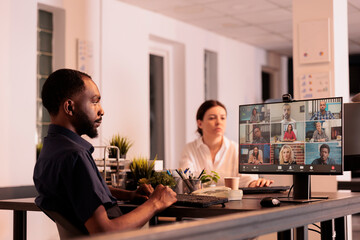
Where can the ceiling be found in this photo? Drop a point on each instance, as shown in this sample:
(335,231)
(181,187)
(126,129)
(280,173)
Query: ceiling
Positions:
(263,23)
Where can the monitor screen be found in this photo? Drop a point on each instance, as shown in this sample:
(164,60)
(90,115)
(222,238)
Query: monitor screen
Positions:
(291,137)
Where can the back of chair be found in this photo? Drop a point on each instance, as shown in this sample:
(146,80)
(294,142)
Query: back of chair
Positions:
(66,229)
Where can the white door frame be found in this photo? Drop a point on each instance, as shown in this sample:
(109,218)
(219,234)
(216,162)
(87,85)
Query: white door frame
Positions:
(166,51)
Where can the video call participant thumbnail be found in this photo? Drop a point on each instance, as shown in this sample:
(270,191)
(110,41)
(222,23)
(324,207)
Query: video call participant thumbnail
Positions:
(322,114)
(324,156)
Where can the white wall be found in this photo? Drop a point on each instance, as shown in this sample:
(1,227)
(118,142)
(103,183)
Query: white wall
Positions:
(125,74)
(121,37)
(18,91)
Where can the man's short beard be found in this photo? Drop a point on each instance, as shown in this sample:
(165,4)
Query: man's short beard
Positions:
(83,125)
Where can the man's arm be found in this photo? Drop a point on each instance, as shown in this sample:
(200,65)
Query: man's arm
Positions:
(143,192)
(162,198)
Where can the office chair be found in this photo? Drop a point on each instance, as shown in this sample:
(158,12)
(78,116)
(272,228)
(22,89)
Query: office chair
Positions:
(65,228)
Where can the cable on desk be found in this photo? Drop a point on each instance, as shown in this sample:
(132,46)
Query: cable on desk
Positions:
(290,190)
(314,230)
(316,226)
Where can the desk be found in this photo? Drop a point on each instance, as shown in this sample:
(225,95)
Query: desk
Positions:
(19,206)
(238,220)
(244,219)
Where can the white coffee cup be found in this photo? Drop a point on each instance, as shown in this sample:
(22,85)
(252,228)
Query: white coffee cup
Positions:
(232,182)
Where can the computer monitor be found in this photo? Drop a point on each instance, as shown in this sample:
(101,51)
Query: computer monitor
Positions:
(300,138)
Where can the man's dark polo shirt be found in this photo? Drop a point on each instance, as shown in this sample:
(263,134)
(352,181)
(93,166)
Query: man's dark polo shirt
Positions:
(67,179)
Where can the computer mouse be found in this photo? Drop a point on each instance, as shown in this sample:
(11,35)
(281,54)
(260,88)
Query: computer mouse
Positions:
(270,202)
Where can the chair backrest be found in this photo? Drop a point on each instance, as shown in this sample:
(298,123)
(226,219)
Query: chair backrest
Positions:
(66,229)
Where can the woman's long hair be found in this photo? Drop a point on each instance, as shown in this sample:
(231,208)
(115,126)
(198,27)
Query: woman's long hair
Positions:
(292,155)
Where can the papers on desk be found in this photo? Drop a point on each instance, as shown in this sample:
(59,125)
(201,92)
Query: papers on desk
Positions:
(224,192)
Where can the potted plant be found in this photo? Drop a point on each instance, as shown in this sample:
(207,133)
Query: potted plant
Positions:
(123,143)
(209,180)
(159,178)
(141,168)
(144,173)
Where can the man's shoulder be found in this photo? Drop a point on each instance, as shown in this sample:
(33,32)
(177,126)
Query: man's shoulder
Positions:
(331,161)
(62,142)
(316,161)
(330,114)
(60,148)
(291,120)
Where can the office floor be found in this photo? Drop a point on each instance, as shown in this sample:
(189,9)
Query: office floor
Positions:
(314,236)
(356,226)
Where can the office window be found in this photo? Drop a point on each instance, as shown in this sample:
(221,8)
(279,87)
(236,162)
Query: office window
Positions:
(44,68)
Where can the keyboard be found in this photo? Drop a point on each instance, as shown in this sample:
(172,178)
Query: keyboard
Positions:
(200,201)
(259,190)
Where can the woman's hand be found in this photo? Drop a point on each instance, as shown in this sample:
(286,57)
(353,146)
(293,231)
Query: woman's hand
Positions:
(261,182)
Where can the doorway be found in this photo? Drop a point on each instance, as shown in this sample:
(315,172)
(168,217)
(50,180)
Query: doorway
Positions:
(157,131)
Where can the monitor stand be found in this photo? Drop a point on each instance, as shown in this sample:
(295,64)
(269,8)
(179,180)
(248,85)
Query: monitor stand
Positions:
(302,190)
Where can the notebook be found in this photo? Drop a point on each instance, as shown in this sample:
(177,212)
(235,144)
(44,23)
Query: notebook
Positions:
(200,201)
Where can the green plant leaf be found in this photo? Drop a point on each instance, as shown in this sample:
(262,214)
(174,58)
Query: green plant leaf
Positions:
(212,177)
(142,168)
(123,143)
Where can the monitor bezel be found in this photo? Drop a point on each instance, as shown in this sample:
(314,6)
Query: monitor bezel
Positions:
(260,171)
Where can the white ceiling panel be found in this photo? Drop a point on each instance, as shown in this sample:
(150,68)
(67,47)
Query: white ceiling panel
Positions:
(263,23)
(276,15)
(194,12)
(158,5)
(279,27)
(235,7)
(265,39)
(283,3)
(244,32)
(219,23)
(287,35)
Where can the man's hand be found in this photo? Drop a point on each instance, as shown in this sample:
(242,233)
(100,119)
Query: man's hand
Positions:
(160,199)
(163,197)
(261,182)
(143,192)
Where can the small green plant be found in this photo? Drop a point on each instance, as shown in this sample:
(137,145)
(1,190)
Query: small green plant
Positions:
(144,173)
(39,146)
(162,178)
(142,168)
(123,143)
(209,178)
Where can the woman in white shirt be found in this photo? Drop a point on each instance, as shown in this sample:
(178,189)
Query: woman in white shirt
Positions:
(213,151)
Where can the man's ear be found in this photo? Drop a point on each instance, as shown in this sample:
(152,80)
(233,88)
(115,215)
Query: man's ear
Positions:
(69,107)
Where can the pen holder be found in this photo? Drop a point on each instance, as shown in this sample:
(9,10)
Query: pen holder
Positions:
(179,187)
(194,183)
